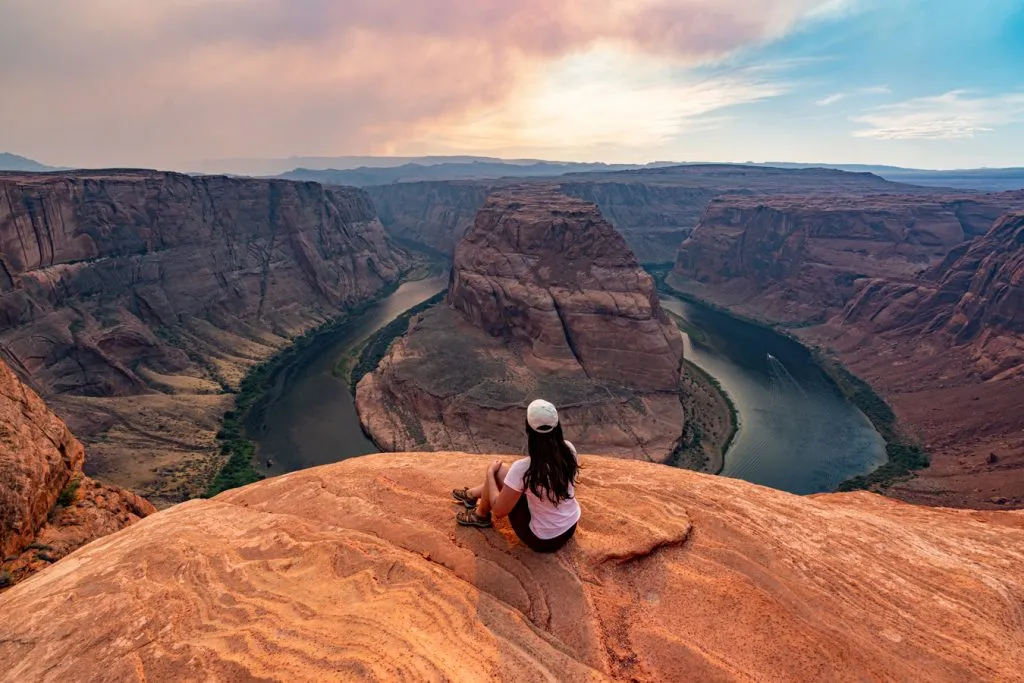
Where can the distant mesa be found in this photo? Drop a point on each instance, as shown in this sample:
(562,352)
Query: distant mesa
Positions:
(654,208)
(546,299)
(14,162)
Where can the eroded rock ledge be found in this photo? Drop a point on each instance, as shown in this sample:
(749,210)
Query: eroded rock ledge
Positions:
(358,570)
(47,506)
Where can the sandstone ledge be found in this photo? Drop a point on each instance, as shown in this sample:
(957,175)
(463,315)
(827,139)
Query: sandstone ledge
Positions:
(357,570)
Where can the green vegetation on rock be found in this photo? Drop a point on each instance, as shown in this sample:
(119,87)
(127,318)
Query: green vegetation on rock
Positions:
(240,470)
(376,347)
(67,496)
(904,456)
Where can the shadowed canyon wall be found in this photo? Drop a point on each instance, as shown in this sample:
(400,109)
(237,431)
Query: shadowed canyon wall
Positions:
(135,299)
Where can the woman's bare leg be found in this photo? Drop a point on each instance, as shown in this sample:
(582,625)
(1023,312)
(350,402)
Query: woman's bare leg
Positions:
(483,505)
(478,491)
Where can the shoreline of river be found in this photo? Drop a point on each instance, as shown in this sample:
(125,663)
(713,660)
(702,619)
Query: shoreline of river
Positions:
(903,456)
(234,441)
(708,409)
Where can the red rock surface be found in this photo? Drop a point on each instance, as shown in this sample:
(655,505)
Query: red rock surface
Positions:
(545,300)
(134,299)
(357,570)
(797,259)
(40,458)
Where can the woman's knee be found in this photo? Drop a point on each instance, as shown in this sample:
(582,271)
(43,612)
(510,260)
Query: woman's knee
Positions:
(499,476)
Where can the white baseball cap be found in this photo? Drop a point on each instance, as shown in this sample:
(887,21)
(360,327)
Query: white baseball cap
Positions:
(541,416)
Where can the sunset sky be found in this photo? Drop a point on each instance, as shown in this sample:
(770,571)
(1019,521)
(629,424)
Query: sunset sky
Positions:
(166,83)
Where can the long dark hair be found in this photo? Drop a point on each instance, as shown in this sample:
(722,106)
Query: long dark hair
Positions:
(552,465)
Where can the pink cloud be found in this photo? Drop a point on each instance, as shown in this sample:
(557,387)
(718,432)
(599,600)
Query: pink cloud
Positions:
(162,81)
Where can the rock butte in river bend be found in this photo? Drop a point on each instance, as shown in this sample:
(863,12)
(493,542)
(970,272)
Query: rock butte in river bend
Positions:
(357,570)
(39,459)
(133,299)
(545,299)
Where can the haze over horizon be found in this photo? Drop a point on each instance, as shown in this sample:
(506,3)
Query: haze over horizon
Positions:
(168,84)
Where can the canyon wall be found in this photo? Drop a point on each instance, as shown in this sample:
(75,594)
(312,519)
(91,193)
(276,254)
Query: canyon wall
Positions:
(798,259)
(135,299)
(358,571)
(654,208)
(436,214)
(947,349)
(547,300)
(917,295)
(41,466)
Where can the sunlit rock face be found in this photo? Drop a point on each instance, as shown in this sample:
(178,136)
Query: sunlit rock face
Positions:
(357,570)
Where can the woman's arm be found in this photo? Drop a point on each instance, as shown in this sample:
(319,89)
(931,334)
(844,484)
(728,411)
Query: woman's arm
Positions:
(502,498)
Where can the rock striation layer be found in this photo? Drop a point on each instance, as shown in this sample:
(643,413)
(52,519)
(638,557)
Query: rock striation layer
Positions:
(357,570)
(798,259)
(39,460)
(546,299)
(550,271)
(160,290)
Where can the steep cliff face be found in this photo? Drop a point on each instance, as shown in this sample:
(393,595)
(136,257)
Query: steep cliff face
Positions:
(545,299)
(436,214)
(798,259)
(654,219)
(549,271)
(357,570)
(152,286)
(40,459)
(974,299)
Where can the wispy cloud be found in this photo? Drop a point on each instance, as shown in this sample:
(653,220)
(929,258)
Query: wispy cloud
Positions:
(598,99)
(839,96)
(831,99)
(162,81)
(955,114)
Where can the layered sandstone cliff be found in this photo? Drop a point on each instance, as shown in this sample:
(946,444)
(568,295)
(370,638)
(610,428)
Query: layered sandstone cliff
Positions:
(357,570)
(546,299)
(41,464)
(135,299)
(654,209)
(798,259)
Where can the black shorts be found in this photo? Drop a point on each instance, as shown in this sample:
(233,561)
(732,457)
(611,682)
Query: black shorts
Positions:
(520,519)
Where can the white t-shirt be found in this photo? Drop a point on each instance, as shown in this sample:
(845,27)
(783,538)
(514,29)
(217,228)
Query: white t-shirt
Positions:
(547,520)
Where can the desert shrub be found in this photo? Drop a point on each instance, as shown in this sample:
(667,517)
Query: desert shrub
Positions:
(67,496)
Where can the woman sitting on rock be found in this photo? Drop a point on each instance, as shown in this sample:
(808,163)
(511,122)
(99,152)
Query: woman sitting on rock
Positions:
(545,517)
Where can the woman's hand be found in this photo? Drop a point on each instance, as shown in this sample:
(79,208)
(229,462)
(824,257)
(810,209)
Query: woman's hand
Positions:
(494,466)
